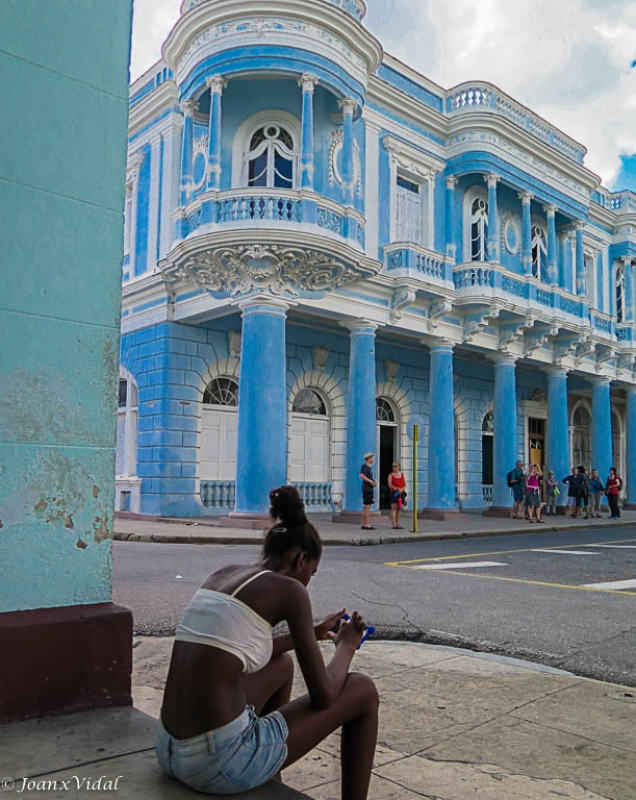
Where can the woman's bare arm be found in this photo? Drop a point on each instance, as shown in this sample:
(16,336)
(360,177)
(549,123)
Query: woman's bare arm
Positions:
(324,683)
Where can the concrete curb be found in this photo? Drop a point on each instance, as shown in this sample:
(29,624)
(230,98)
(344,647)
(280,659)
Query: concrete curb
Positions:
(255,538)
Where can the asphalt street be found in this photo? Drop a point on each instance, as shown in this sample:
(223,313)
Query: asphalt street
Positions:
(565,599)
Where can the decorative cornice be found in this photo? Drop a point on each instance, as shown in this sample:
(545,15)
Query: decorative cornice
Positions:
(410,158)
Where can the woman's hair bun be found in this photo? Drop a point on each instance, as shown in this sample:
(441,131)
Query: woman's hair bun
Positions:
(287,506)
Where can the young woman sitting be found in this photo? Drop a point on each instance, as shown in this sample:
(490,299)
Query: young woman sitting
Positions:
(227,724)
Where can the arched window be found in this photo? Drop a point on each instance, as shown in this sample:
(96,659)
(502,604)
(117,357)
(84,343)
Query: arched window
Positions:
(218,430)
(126,454)
(310,438)
(539,253)
(620,293)
(221,392)
(308,401)
(581,437)
(384,411)
(478,230)
(271,159)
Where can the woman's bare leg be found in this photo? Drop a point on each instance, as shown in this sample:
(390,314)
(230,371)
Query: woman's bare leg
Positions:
(270,688)
(356,711)
(394,514)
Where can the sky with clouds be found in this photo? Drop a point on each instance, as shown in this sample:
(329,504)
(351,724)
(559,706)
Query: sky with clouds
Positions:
(569,60)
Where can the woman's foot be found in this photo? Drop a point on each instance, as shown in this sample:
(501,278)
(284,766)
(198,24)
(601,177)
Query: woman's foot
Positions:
(540,520)
(367,527)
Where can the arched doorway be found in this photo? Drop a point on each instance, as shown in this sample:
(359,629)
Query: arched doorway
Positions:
(581,436)
(218,431)
(310,436)
(487,471)
(388,446)
(617,445)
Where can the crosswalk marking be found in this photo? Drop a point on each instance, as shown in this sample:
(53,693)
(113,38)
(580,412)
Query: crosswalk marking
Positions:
(462,565)
(568,552)
(615,585)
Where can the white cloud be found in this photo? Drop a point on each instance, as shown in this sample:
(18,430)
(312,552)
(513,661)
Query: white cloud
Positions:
(568,61)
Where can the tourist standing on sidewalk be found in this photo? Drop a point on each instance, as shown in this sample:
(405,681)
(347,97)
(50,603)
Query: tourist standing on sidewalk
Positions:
(552,494)
(516,481)
(571,481)
(533,493)
(226,724)
(582,492)
(368,491)
(613,486)
(397,494)
(596,493)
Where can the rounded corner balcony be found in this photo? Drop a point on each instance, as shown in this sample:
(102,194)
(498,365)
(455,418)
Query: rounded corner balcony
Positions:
(239,261)
(278,37)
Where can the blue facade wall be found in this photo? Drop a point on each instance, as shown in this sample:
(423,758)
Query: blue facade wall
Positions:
(62,187)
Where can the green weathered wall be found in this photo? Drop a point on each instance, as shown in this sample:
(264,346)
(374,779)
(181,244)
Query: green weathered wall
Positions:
(63,127)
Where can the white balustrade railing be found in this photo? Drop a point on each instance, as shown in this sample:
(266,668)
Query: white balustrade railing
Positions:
(217,494)
(222,494)
(476,97)
(259,206)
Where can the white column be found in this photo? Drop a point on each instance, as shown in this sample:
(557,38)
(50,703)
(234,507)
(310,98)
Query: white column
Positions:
(372,193)
(135,164)
(170,183)
(153,203)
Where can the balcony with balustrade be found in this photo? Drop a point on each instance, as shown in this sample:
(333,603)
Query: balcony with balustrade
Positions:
(484,98)
(427,269)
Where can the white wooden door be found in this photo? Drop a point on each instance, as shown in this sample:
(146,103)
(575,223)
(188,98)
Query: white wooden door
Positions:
(218,444)
(309,451)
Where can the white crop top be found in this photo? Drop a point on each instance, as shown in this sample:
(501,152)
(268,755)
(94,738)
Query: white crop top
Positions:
(222,620)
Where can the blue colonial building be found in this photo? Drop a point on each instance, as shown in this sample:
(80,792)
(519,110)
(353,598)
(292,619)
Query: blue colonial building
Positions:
(324,248)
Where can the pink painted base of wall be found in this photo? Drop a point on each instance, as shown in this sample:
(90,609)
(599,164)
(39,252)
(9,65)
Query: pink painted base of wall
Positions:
(59,660)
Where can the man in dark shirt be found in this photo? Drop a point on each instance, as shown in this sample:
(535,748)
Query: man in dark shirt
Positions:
(517,482)
(368,491)
(573,485)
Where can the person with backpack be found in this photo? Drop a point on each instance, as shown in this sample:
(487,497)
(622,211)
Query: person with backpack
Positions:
(613,486)
(582,492)
(596,493)
(572,482)
(516,480)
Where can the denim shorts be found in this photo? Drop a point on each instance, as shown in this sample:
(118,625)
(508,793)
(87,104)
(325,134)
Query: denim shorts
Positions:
(241,755)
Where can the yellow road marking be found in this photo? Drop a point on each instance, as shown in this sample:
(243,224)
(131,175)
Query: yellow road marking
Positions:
(498,553)
(521,580)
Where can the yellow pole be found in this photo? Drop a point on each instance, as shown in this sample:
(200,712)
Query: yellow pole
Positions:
(416,431)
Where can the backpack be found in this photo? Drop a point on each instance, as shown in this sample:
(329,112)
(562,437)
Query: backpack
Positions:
(509,479)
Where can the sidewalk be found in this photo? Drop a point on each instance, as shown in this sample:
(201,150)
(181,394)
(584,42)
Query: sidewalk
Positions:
(207,530)
(454,725)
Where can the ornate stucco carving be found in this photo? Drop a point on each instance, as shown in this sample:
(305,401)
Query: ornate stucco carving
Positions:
(275,268)
(335,148)
(320,356)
